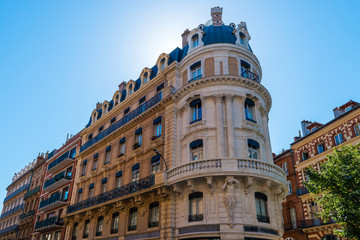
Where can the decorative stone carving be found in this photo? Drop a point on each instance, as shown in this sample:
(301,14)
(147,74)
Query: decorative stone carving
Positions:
(248,182)
(210,183)
(163,192)
(119,205)
(230,198)
(138,199)
(177,190)
(142,211)
(89,214)
(103,210)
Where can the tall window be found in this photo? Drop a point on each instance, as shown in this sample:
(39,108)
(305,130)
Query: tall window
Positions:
(195,40)
(155,164)
(95,162)
(157,127)
(118,180)
(135,172)
(320,148)
(99,226)
(75,228)
(132,219)
(138,138)
(253,148)
(249,110)
(83,168)
(86,228)
(65,193)
(91,190)
(107,155)
(305,156)
(357,129)
(261,207)
(196,207)
(245,69)
(103,185)
(114,223)
(196,148)
(130,89)
(162,64)
(289,187)
(154,214)
(293,217)
(339,139)
(145,77)
(195,71)
(80,195)
(196,111)
(285,168)
(68,173)
(122,147)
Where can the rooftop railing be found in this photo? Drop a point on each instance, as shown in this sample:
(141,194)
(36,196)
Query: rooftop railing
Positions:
(16,192)
(136,186)
(31,192)
(142,108)
(15,209)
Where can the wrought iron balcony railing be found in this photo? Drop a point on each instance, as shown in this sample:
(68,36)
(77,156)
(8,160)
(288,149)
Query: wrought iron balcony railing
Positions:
(195,78)
(28,214)
(16,192)
(31,192)
(142,108)
(53,199)
(56,178)
(53,221)
(11,211)
(250,75)
(113,194)
(67,155)
(196,217)
(301,191)
(262,218)
(153,224)
(9,229)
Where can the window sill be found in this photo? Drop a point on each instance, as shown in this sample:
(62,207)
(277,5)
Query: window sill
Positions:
(251,120)
(155,137)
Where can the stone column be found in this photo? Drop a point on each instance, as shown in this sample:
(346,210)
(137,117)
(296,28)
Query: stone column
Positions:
(230,126)
(264,119)
(219,126)
(179,127)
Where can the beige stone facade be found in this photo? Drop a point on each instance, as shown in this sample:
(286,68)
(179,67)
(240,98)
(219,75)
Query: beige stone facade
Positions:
(14,203)
(184,151)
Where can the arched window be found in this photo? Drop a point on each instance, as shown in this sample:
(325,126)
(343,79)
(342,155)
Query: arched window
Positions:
(162,64)
(132,219)
(114,223)
(249,110)
(117,99)
(146,77)
(154,214)
(242,38)
(195,71)
(196,148)
(86,228)
(130,89)
(196,207)
(195,40)
(253,149)
(155,164)
(99,226)
(196,111)
(75,228)
(261,207)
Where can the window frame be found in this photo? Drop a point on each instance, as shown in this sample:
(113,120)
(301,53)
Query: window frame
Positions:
(196,207)
(357,129)
(154,209)
(132,219)
(249,107)
(340,139)
(323,148)
(99,226)
(114,228)
(261,206)
(86,228)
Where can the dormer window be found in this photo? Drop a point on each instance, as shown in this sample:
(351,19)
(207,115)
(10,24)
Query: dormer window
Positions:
(162,64)
(313,129)
(105,108)
(130,89)
(347,109)
(146,77)
(116,99)
(195,40)
(242,39)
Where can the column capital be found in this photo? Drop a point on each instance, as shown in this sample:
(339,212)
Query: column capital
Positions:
(218,98)
(229,98)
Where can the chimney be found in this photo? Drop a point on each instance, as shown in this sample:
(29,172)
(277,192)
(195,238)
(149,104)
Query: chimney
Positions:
(304,125)
(184,37)
(216,15)
(122,86)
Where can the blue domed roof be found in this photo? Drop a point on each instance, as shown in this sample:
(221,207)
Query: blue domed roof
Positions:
(218,34)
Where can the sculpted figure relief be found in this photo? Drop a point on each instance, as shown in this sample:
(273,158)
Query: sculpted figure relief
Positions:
(230,199)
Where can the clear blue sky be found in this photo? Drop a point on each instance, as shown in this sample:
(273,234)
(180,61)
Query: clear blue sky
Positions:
(58,58)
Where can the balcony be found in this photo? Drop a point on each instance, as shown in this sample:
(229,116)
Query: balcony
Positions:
(127,189)
(11,211)
(9,229)
(31,192)
(48,224)
(302,191)
(52,202)
(264,219)
(195,78)
(220,167)
(250,75)
(306,224)
(28,214)
(16,192)
(61,162)
(57,181)
(130,116)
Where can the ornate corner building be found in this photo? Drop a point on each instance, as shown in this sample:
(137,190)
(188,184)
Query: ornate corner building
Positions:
(183,152)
